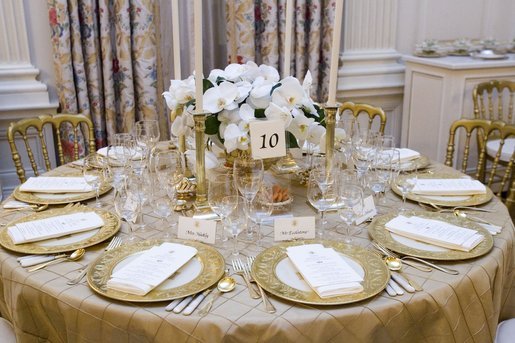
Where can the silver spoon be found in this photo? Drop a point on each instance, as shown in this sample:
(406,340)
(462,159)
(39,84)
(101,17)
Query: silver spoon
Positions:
(74,256)
(395,264)
(226,284)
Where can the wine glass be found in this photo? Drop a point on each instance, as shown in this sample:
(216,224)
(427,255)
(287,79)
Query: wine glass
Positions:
(147,136)
(168,167)
(235,221)
(350,128)
(406,181)
(248,175)
(222,196)
(126,205)
(322,194)
(162,207)
(351,204)
(93,171)
(262,207)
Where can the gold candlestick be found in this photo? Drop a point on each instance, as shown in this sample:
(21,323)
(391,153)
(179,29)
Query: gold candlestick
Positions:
(202,208)
(330,124)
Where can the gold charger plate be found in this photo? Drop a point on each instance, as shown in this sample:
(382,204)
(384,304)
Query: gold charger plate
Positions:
(420,162)
(472,200)
(67,243)
(264,271)
(209,263)
(58,199)
(379,234)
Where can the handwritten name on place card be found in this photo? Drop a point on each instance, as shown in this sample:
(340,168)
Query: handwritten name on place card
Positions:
(197,230)
(286,229)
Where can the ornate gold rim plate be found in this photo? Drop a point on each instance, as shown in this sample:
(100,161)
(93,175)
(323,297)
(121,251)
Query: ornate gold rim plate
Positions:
(375,280)
(473,200)
(33,198)
(211,260)
(378,233)
(110,228)
(421,162)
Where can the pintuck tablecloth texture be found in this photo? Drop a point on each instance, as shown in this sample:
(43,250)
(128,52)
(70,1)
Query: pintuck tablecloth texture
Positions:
(451,308)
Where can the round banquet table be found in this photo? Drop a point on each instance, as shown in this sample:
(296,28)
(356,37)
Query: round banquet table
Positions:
(451,308)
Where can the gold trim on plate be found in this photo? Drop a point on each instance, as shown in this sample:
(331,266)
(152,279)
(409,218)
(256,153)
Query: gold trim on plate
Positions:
(378,233)
(375,279)
(473,200)
(109,229)
(212,262)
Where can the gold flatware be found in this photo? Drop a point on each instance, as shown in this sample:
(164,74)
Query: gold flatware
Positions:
(74,256)
(395,264)
(389,253)
(269,307)
(237,265)
(462,214)
(226,284)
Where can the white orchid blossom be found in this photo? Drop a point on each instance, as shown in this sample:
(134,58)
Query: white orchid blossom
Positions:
(300,125)
(260,94)
(244,88)
(339,134)
(215,74)
(235,138)
(251,72)
(182,125)
(180,92)
(218,98)
(234,71)
(315,133)
(289,94)
(269,73)
(276,112)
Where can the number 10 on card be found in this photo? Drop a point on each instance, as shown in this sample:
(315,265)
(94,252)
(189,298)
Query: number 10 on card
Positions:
(267,139)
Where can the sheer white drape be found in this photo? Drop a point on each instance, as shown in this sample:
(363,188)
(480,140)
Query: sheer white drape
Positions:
(213,31)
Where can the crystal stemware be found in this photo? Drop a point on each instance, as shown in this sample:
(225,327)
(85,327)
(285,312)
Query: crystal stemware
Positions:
(248,175)
(126,205)
(261,208)
(351,204)
(93,171)
(222,197)
(406,181)
(147,135)
(322,194)
(235,222)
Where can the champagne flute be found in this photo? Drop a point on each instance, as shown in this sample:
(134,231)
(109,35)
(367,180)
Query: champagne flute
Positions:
(248,175)
(222,196)
(351,205)
(235,221)
(406,181)
(261,208)
(93,172)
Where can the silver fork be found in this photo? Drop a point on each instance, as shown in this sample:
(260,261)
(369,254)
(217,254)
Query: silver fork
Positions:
(115,243)
(269,307)
(239,269)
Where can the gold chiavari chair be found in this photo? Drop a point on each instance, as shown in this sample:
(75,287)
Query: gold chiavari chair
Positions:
(494,100)
(504,187)
(371,111)
(81,126)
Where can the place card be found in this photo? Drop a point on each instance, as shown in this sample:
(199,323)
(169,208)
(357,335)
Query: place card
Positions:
(287,229)
(435,232)
(58,184)
(151,268)
(326,272)
(41,229)
(367,211)
(448,187)
(197,230)
(267,139)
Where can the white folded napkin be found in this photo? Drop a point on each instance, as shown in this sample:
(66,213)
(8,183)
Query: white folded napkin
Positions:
(435,232)
(151,268)
(324,270)
(448,187)
(58,184)
(14,204)
(118,151)
(405,154)
(41,229)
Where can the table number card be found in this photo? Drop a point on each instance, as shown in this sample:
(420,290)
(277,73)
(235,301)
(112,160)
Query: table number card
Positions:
(287,229)
(197,230)
(267,139)
(368,211)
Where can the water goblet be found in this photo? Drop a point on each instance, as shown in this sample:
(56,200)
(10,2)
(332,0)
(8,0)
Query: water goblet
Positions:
(94,174)
(322,194)
(235,222)
(126,205)
(351,204)
(220,187)
(406,181)
(261,208)
(147,135)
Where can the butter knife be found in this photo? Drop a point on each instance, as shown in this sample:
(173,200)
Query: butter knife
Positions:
(195,302)
(182,305)
(402,281)
(173,304)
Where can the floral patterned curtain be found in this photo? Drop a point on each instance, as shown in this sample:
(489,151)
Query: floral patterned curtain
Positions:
(255,31)
(105,58)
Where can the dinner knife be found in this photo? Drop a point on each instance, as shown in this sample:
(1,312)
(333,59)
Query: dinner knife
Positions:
(396,287)
(390,290)
(194,304)
(183,304)
(173,304)
(402,281)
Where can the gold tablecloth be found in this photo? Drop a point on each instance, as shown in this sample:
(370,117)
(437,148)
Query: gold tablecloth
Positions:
(461,308)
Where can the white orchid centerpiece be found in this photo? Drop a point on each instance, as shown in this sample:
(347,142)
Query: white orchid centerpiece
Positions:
(242,93)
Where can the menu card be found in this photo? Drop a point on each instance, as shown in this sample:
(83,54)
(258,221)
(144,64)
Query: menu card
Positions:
(448,187)
(58,184)
(435,232)
(324,270)
(151,268)
(41,229)
(404,154)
